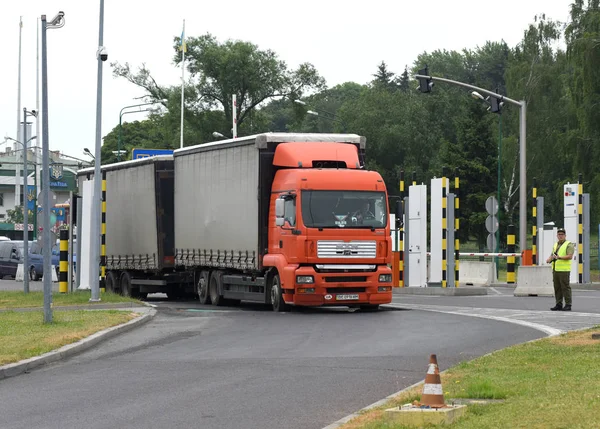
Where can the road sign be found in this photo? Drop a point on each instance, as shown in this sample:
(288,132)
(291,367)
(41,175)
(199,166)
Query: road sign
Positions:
(138,153)
(491,224)
(491,242)
(491,205)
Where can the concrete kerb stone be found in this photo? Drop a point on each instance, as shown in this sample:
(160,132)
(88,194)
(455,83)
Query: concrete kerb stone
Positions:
(17,368)
(379,403)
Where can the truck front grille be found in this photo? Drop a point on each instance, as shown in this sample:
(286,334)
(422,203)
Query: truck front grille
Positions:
(345,279)
(346,249)
(346,290)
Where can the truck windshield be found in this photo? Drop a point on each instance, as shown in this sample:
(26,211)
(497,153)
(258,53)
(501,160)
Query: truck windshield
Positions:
(344,209)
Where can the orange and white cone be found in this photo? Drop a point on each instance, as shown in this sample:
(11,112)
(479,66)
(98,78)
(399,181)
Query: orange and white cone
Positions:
(433,394)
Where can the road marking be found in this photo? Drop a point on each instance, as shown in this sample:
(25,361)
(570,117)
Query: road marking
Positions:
(552,324)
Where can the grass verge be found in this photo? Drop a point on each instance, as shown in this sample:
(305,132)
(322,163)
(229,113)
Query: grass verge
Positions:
(17,299)
(24,334)
(550,383)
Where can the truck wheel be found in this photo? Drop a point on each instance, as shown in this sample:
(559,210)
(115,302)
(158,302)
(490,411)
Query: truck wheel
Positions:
(277,301)
(202,288)
(125,284)
(216,279)
(112,282)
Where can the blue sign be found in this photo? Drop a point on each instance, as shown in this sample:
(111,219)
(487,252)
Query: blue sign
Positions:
(138,153)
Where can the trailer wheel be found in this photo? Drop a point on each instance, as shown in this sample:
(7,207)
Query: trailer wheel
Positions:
(277,301)
(202,287)
(112,282)
(126,284)
(216,281)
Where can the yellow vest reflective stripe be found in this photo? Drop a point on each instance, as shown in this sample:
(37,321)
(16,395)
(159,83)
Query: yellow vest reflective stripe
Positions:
(562,264)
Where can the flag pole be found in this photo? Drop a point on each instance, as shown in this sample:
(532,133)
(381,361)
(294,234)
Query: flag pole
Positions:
(183,49)
(18,172)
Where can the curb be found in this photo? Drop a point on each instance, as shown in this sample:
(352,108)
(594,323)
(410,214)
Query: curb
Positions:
(346,419)
(24,366)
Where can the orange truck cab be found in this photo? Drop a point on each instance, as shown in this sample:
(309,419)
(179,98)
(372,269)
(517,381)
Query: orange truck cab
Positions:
(329,232)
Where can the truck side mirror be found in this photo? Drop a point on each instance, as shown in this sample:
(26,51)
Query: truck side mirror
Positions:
(279,208)
(399,214)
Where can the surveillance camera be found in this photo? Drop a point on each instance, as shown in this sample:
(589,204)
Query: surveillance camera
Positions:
(34,113)
(103,53)
(57,20)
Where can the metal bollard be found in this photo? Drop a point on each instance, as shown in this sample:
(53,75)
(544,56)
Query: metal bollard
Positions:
(63,265)
(534,227)
(510,260)
(103,237)
(401,236)
(456,228)
(444,230)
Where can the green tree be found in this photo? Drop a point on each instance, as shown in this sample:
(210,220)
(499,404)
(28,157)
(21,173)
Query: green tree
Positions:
(15,215)
(384,79)
(583,50)
(403,81)
(219,70)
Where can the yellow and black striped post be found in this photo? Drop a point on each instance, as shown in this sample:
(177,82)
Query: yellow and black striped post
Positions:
(103,237)
(510,260)
(63,264)
(414,178)
(580,227)
(534,227)
(444,228)
(456,228)
(401,233)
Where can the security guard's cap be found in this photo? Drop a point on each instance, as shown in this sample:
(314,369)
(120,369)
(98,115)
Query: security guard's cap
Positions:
(561,230)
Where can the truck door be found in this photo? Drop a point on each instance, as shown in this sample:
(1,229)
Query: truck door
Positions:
(288,238)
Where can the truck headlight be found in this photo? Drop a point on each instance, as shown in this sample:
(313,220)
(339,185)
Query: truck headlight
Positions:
(385,278)
(305,280)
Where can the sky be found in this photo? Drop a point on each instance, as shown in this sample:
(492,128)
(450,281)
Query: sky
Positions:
(345,41)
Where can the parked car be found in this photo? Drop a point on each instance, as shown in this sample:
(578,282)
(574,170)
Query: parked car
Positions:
(11,255)
(36,270)
(36,261)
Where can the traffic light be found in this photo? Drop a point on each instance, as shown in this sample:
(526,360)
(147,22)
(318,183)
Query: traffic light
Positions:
(425,83)
(495,104)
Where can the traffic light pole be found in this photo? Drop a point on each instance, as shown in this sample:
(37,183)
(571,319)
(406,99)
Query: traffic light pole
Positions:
(425,80)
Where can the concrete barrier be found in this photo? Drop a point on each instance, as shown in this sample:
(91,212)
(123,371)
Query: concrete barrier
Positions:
(54,277)
(474,273)
(534,281)
(19,276)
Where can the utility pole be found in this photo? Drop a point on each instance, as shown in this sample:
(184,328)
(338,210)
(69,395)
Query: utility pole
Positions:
(425,85)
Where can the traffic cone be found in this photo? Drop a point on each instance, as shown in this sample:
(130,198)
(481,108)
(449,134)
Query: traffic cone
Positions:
(433,394)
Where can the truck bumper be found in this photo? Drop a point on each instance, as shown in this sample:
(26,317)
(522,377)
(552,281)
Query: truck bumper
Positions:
(340,288)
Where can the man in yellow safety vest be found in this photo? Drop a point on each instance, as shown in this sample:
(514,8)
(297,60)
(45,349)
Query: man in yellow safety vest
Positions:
(561,257)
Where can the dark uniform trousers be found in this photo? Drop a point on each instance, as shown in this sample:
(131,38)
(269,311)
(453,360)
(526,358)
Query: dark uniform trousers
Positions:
(562,288)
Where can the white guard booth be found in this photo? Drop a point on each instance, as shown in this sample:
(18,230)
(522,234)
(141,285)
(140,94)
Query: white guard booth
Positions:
(435,259)
(571,225)
(417,251)
(84,260)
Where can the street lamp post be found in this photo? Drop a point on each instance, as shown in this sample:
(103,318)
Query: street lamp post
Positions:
(121,113)
(57,22)
(323,113)
(477,95)
(426,86)
(25,208)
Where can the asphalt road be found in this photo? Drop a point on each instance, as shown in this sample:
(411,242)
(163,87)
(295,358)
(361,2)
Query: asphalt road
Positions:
(195,366)
(247,367)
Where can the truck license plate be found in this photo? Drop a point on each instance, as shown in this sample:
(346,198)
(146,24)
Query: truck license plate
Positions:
(346,296)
